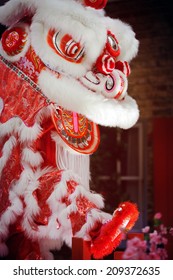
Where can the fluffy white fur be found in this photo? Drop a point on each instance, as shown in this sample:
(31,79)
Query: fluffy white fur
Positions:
(70,94)
(6,151)
(34,159)
(12,11)
(84,27)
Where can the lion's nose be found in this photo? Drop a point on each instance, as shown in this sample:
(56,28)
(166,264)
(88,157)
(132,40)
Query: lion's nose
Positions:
(105,64)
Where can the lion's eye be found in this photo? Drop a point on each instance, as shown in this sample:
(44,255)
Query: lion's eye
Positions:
(71,48)
(66,46)
(112,45)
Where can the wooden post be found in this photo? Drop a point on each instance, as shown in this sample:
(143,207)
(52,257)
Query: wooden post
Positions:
(80,249)
(118,255)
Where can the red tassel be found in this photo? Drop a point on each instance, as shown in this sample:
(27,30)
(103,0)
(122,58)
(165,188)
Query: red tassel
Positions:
(112,232)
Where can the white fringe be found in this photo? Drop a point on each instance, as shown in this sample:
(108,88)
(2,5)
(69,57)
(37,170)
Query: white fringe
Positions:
(77,163)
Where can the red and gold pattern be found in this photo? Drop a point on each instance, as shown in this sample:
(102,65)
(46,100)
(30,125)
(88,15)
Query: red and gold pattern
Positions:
(19,87)
(30,64)
(76,131)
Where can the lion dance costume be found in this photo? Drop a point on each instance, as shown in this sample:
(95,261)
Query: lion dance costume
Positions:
(63,71)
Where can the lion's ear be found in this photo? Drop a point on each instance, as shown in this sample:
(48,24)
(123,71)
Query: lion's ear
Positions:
(14,10)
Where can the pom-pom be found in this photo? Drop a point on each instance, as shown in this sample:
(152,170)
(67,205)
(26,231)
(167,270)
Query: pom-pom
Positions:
(96,4)
(105,64)
(111,233)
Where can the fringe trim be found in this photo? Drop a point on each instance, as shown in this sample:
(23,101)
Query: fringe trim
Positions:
(67,159)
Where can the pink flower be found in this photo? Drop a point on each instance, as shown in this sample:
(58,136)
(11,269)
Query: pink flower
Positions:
(158,216)
(171,231)
(163,229)
(146,229)
(154,256)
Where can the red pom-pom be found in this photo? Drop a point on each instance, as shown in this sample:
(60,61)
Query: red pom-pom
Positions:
(105,64)
(111,233)
(123,67)
(96,4)
(13,40)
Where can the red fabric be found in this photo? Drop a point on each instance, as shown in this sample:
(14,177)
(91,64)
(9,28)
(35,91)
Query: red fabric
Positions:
(8,176)
(19,97)
(21,247)
(41,194)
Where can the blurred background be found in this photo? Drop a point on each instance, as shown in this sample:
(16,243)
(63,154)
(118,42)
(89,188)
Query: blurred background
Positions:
(137,164)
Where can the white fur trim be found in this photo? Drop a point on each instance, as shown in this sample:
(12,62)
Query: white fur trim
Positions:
(32,158)
(6,151)
(95,198)
(94,215)
(8,127)
(73,96)
(12,11)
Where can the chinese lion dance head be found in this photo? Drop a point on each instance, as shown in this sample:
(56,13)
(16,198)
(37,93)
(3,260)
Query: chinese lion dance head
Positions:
(64,67)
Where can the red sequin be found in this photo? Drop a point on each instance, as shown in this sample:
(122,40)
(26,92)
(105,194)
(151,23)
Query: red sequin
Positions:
(78,218)
(46,187)
(10,173)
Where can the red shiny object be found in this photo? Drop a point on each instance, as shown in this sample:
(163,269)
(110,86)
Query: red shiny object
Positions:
(15,86)
(83,137)
(14,40)
(78,218)
(111,233)
(8,176)
(45,189)
(97,4)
